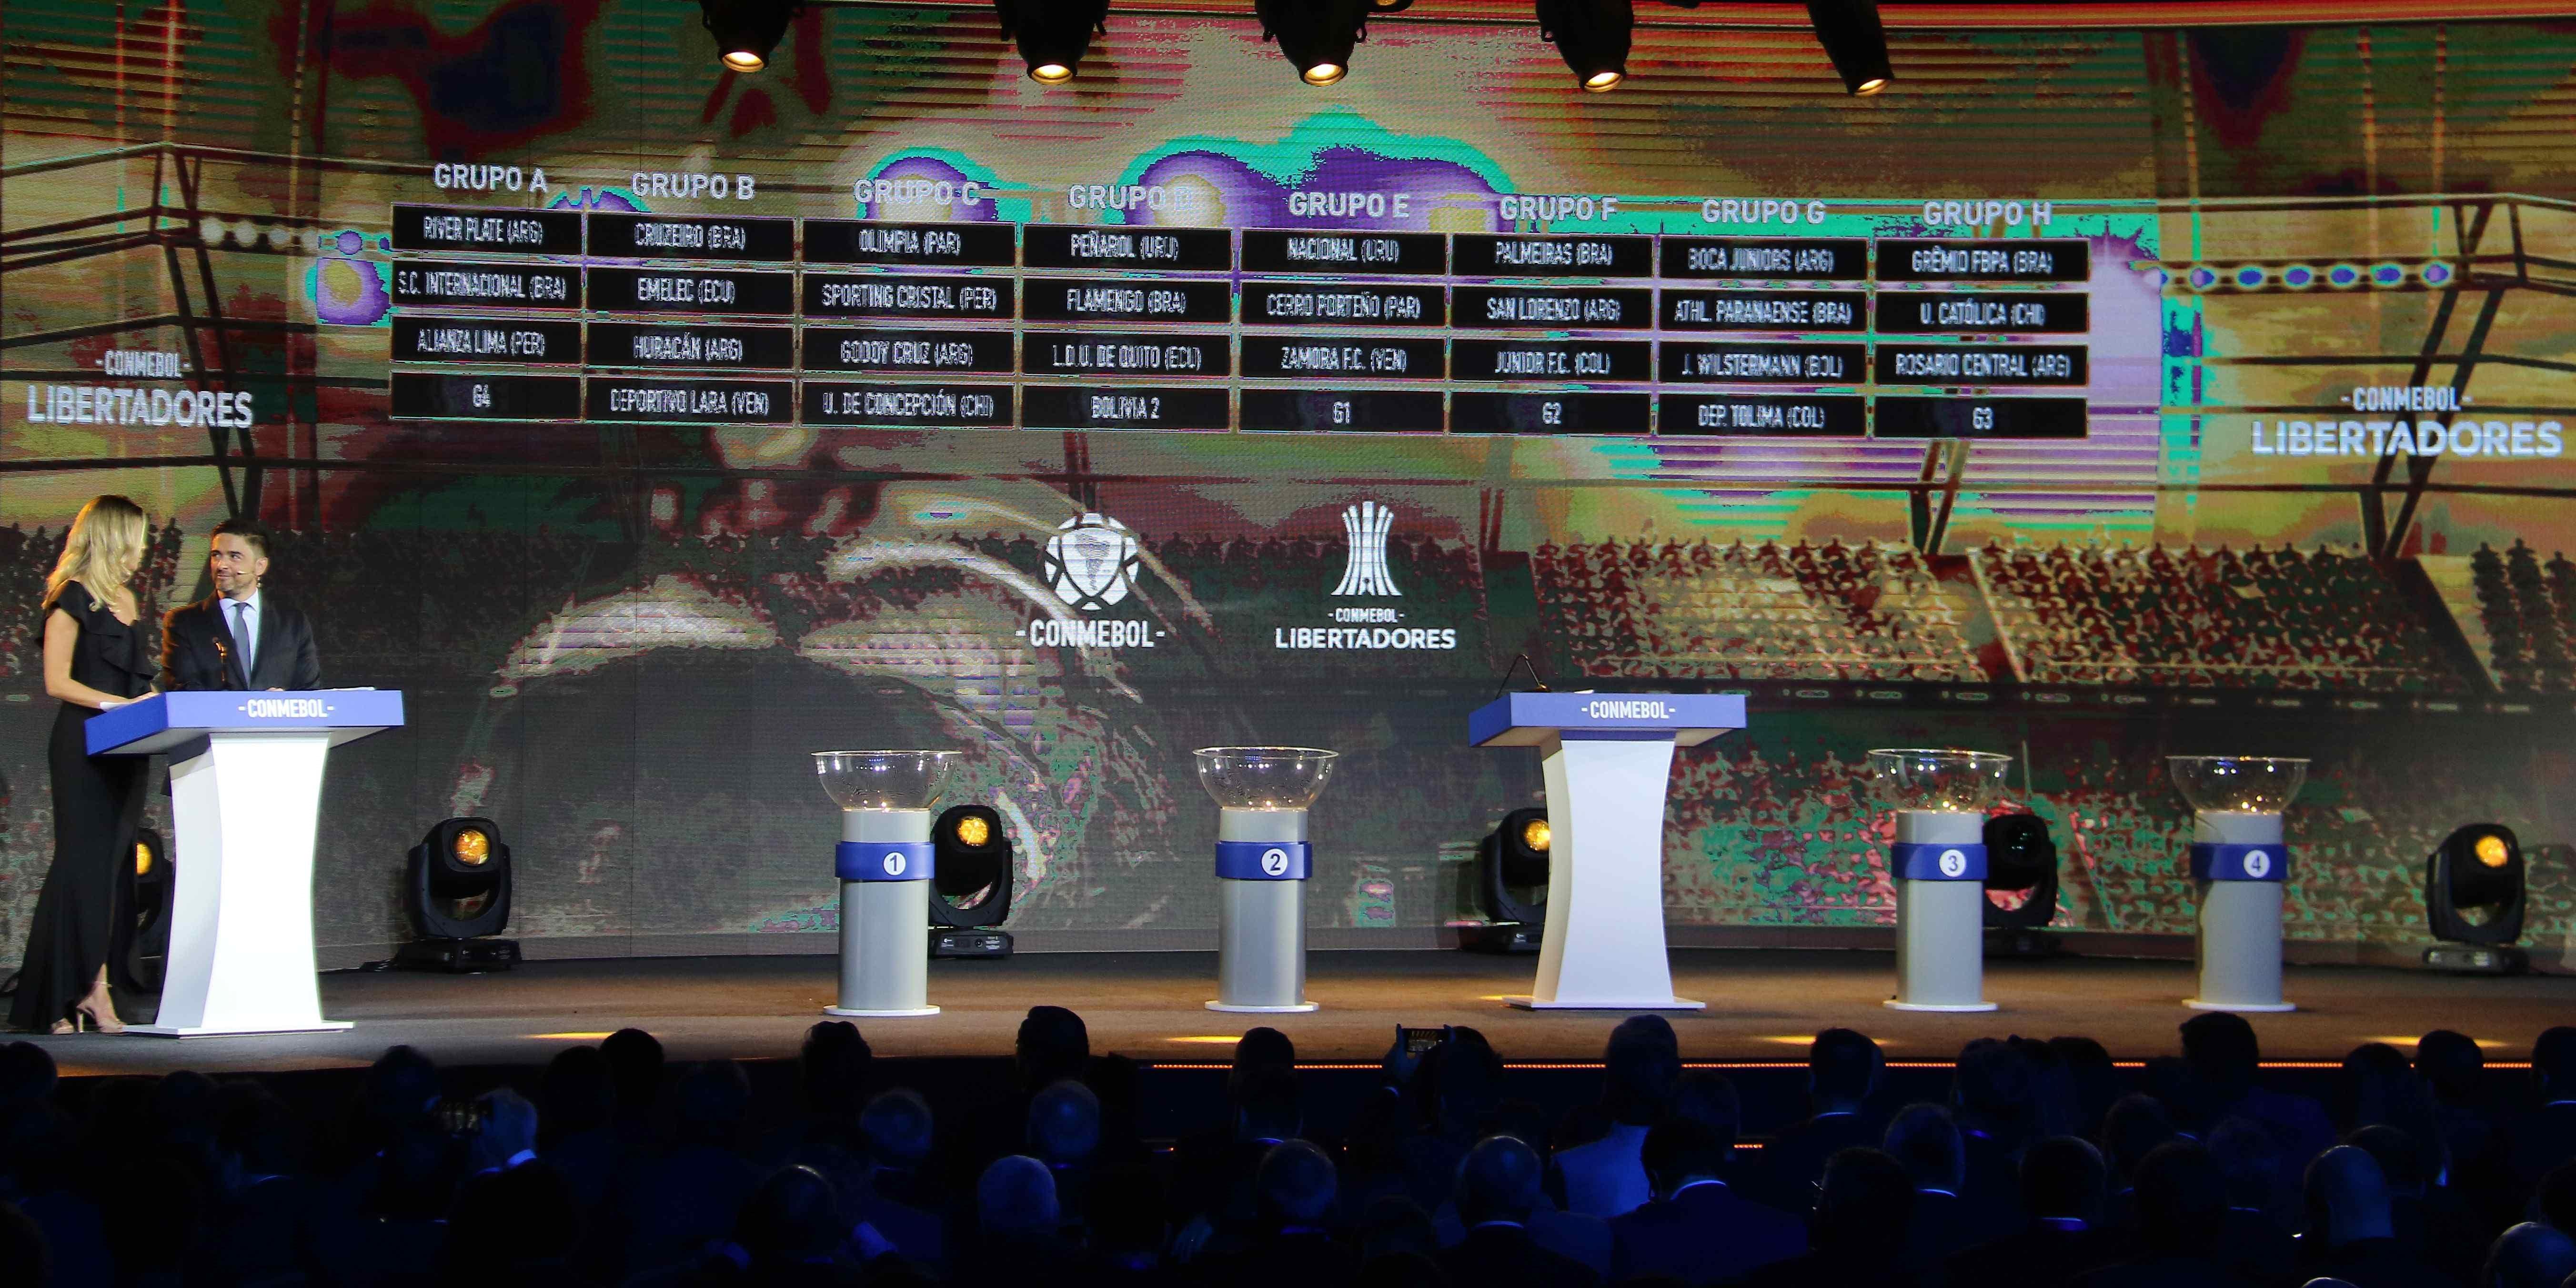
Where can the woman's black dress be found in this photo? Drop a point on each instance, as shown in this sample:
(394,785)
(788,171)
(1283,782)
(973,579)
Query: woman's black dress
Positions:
(98,803)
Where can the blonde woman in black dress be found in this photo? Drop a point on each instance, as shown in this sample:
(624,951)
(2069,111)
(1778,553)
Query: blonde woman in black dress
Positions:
(97,657)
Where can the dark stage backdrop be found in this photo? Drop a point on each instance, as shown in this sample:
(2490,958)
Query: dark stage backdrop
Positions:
(621,631)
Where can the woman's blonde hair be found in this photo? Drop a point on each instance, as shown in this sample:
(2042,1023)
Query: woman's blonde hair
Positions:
(103,549)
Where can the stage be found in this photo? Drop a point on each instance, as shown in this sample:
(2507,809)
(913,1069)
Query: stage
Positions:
(1762,1007)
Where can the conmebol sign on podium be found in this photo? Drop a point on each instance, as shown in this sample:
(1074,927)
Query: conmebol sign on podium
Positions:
(245,793)
(1608,758)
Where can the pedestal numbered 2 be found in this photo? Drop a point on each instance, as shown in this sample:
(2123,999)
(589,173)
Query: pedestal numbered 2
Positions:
(1262,862)
(1939,865)
(885,865)
(2238,864)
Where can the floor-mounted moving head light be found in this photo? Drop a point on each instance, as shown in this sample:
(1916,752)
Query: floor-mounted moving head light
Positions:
(149,945)
(1317,36)
(747,32)
(1592,36)
(456,888)
(1511,884)
(2474,888)
(1053,35)
(2021,858)
(970,893)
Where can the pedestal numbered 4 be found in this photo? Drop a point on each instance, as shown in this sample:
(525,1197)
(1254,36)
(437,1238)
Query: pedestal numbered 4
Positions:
(1939,865)
(2238,865)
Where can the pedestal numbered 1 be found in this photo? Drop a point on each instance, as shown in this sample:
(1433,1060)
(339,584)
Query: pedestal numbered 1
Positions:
(2238,865)
(1939,864)
(885,866)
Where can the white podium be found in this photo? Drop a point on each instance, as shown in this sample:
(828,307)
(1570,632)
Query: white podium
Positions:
(1608,758)
(245,793)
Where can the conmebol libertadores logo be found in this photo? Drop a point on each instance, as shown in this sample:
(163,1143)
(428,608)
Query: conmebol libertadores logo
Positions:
(1365,571)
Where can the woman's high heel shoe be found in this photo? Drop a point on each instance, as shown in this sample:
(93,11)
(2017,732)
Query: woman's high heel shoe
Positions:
(101,1014)
(64,1028)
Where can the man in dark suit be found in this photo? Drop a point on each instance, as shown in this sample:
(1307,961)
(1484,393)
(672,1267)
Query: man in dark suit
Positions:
(2062,1183)
(1498,1184)
(2544,1139)
(1843,1068)
(1696,1229)
(241,638)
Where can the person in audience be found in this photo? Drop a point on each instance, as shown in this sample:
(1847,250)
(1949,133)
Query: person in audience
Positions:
(1697,1229)
(2428,1218)
(1994,1099)
(2529,1256)
(2063,1185)
(1926,1141)
(634,1059)
(2545,1137)
(1131,1227)
(2096,1082)
(2350,1232)
(2555,1202)
(2256,1244)
(1394,1225)
(1293,1245)
(1064,1134)
(1603,1176)
(676,1205)
(576,1117)
(1865,1196)
(2179,1208)
(1843,1069)
(2224,1059)
(1498,1184)
(1019,1230)
(901,1199)
(513,1227)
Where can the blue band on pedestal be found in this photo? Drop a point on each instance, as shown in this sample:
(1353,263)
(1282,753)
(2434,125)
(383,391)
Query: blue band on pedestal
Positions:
(1264,860)
(1923,861)
(884,860)
(2210,862)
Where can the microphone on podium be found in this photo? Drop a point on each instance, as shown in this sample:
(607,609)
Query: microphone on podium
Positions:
(1521,661)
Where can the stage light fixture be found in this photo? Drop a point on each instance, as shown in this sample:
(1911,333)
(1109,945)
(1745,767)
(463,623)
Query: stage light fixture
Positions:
(747,32)
(1511,879)
(456,888)
(970,893)
(1855,41)
(148,946)
(2474,896)
(1592,36)
(1317,36)
(2021,858)
(1053,35)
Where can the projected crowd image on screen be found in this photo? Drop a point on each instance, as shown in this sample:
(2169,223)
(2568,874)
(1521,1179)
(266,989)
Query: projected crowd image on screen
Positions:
(1073,405)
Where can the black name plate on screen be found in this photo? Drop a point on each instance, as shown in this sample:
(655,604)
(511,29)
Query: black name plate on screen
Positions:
(1980,364)
(1084,246)
(708,402)
(668,290)
(1615,255)
(832,403)
(1086,353)
(1122,407)
(519,232)
(861,241)
(423,395)
(1551,360)
(629,236)
(1382,411)
(1327,250)
(647,344)
(2003,259)
(513,286)
(1828,415)
(1343,357)
(858,295)
(1342,304)
(535,341)
(1073,299)
(1725,362)
(1555,308)
(1906,417)
(1781,259)
(1582,413)
(848,349)
(1765,311)
(1984,312)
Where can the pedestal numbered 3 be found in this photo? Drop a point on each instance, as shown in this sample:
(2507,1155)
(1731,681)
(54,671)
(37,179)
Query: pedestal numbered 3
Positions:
(2238,864)
(1939,865)
(885,862)
(1262,861)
